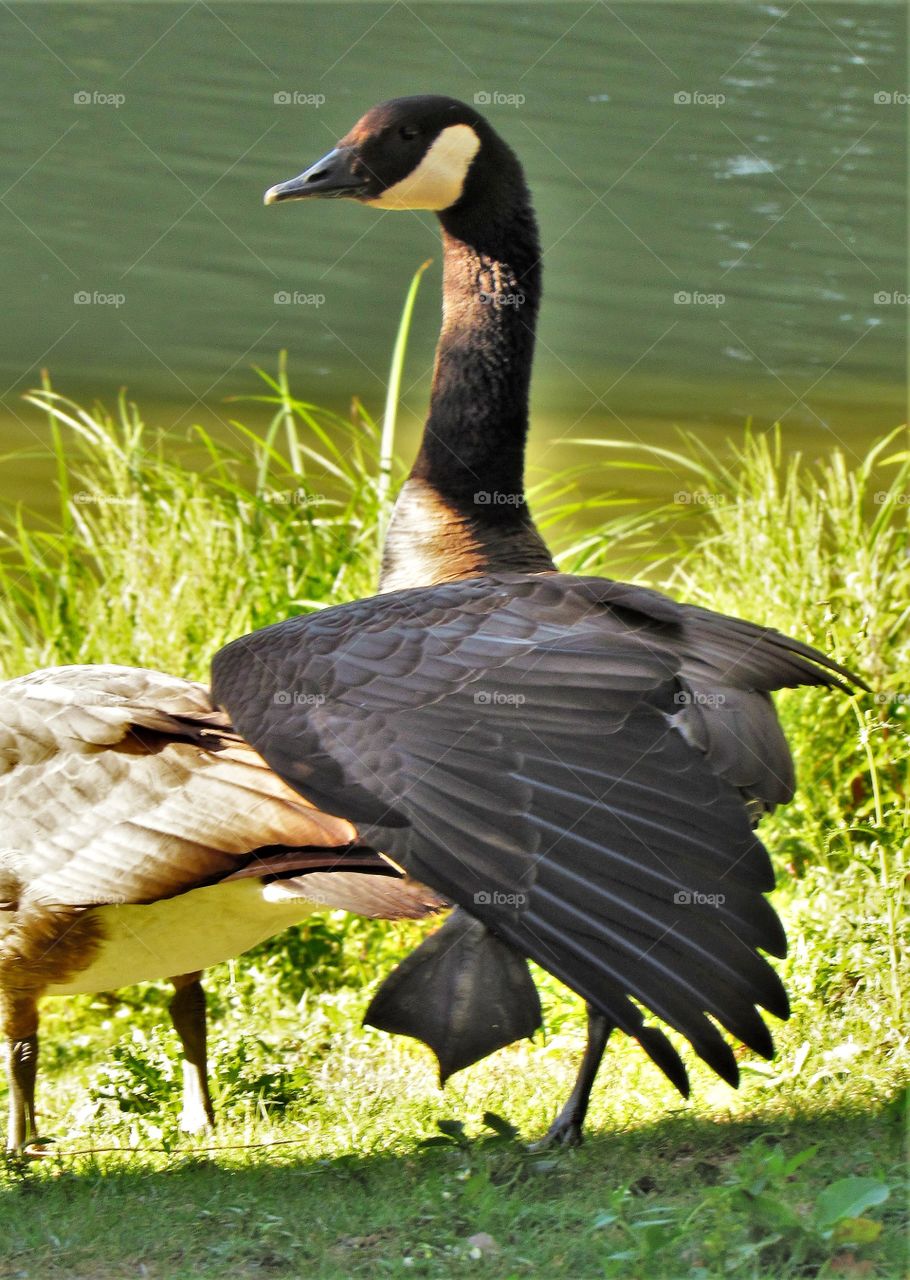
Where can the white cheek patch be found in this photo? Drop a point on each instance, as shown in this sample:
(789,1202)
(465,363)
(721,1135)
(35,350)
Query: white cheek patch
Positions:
(438,180)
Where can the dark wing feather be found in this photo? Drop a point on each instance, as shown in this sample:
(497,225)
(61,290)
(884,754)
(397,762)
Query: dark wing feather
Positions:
(524,745)
(729,667)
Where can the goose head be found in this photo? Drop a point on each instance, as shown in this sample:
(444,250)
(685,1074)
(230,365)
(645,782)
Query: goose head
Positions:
(440,154)
(424,152)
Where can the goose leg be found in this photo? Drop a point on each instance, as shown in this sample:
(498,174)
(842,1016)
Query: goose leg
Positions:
(20,1026)
(187,1010)
(565,1131)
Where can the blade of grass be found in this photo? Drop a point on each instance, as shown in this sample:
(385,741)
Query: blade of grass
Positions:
(389,417)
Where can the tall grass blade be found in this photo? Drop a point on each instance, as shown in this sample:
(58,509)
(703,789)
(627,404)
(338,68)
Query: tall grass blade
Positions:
(393,391)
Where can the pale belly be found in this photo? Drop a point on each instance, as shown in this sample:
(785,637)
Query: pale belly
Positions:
(180,935)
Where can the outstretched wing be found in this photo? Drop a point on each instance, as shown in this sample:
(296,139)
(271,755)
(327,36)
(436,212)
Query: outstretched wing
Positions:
(516,743)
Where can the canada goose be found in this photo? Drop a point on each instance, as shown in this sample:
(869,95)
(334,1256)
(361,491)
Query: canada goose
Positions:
(143,839)
(576,762)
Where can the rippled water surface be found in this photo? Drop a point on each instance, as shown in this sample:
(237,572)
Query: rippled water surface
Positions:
(721,190)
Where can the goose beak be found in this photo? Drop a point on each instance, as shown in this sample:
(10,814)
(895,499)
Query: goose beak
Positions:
(333,175)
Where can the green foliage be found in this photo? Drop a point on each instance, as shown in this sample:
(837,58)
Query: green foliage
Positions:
(164,548)
(139,1078)
(756,1219)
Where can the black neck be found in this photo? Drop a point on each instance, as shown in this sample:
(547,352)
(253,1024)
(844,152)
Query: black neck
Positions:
(462,511)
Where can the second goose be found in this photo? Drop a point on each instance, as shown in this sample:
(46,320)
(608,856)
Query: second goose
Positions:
(142,839)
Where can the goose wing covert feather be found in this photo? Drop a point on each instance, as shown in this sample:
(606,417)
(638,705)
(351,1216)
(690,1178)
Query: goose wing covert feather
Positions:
(472,731)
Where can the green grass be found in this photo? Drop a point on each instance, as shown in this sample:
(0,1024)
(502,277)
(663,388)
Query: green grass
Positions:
(181,544)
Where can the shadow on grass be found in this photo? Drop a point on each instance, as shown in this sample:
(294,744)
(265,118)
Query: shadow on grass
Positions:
(682,1197)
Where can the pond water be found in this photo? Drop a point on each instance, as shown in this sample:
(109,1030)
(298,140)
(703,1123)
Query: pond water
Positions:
(721,190)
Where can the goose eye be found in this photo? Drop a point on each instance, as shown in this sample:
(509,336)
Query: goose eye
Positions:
(408,131)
